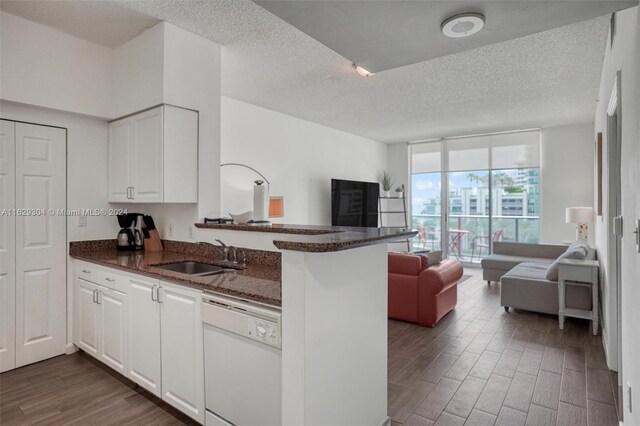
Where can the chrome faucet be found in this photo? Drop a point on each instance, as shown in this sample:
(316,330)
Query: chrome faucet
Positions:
(225,250)
(234,254)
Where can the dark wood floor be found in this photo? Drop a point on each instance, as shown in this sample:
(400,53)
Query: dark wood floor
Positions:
(482,366)
(77,390)
(478,366)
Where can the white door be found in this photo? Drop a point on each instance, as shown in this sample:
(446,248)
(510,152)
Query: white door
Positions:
(120,146)
(182,350)
(147,168)
(113,331)
(87,317)
(144,334)
(7,247)
(40,243)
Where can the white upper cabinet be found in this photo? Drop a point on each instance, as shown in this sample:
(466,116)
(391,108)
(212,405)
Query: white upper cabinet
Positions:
(120,145)
(153,157)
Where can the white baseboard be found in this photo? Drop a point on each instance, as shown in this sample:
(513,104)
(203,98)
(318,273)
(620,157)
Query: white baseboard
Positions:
(70,348)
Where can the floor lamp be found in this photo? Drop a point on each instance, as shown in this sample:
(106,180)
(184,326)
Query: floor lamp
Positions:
(264,206)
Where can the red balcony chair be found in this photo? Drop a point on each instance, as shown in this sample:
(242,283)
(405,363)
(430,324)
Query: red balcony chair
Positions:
(423,237)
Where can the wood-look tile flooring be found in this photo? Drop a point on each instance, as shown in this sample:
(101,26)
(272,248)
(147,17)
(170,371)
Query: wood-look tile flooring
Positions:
(483,366)
(78,390)
(478,366)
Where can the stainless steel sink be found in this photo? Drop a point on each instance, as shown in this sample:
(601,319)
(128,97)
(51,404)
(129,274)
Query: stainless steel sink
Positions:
(195,268)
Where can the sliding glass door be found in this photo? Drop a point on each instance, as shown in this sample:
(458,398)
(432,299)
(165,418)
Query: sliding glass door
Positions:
(467,193)
(468,213)
(426,205)
(516,206)
(426,197)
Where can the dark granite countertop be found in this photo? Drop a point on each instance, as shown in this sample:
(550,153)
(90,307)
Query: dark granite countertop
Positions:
(318,239)
(259,282)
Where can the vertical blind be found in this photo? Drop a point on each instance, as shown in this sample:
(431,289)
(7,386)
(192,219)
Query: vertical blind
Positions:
(497,151)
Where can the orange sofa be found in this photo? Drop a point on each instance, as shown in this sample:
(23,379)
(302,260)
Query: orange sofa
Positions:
(420,293)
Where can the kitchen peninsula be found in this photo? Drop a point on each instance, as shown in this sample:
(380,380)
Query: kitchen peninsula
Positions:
(334,317)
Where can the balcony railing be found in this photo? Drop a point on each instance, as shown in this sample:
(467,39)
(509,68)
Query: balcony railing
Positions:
(470,236)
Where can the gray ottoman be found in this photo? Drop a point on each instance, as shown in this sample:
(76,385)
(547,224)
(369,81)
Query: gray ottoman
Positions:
(525,287)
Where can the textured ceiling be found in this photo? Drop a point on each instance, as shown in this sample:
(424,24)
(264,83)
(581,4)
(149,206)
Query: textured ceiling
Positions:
(386,34)
(100,22)
(548,78)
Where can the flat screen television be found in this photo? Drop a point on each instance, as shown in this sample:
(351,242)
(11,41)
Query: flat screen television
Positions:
(354,203)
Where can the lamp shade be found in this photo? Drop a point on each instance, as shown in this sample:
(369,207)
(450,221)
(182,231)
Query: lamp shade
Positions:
(579,215)
(276,206)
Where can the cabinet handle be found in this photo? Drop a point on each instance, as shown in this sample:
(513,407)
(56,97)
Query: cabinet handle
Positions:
(84,271)
(99,294)
(132,191)
(129,197)
(110,279)
(158,295)
(94,296)
(153,290)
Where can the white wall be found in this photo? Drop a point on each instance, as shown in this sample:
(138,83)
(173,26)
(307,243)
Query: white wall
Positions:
(298,157)
(192,79)
(138,76)
(398,163)
(567,154)
(48,68)
(623,56)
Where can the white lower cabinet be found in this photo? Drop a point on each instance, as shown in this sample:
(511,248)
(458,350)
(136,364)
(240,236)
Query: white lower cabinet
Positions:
(144,334)
(182,349)
(166,343)
(113,329)
(147,330)
(87,335)
(101,320)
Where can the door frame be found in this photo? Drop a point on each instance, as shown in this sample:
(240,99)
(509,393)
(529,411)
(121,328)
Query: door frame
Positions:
(613,341)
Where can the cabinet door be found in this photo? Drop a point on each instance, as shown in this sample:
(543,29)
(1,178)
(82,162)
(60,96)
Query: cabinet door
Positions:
(147,167)
(7,248)
(120,149)
(113,331)
(87,317)
(144,334)
(182,350)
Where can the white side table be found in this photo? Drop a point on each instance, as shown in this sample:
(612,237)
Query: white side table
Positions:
(581,273)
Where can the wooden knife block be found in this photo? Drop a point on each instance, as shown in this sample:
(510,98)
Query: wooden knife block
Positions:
(153,244)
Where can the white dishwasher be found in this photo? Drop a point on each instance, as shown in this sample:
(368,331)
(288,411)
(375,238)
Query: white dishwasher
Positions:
(242,363)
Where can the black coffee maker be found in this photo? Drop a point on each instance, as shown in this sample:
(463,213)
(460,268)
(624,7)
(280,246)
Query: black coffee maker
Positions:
(131,235)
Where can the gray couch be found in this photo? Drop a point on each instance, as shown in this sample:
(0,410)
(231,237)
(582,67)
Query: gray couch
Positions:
(506,256)
(522,268)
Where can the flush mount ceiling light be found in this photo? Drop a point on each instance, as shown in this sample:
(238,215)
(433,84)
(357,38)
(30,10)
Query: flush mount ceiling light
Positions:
(463,25)
(362,71)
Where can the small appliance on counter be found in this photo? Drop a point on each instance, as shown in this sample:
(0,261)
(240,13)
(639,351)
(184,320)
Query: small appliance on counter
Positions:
(131,236)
